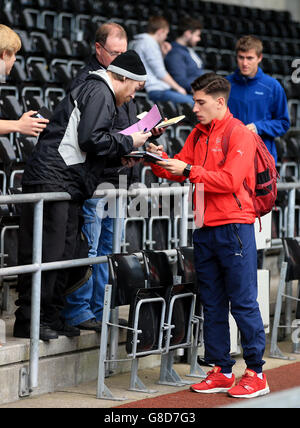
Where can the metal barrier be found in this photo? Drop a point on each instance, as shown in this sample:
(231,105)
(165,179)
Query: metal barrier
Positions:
(285,289)
(290,214)
(37,267)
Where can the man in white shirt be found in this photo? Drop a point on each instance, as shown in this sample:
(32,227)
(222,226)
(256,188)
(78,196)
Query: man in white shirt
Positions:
(160,85)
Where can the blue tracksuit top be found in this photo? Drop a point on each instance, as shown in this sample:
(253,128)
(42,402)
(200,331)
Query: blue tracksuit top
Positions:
(260,100)
(182,67)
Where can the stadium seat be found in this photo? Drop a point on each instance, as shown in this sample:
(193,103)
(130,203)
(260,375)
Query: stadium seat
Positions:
(32,98)
(60,71)
(53,95)
(41,44)
(180,301)
(29,19)
(37,69)
(159,274)
(146,311)
(49,23)
(10,106)
(26,48)
(167,109)
(228,61)
(142,102)
(7,155)
(135,234)
(66,25)
(25,145)
(187,110)
(18,74)
(289,272)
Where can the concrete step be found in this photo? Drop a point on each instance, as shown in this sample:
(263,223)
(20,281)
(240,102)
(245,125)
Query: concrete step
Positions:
(64,362)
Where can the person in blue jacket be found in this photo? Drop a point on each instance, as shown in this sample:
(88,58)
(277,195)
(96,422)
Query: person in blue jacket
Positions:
(257,99)
(182,62)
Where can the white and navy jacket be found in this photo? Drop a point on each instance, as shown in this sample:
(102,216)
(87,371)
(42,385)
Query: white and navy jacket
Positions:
(78,143)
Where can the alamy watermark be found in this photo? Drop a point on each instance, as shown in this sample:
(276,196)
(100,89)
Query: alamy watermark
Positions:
(296,333)
(148,204)
(296,74)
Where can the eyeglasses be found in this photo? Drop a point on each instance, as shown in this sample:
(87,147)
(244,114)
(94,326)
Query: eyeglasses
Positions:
(110,52)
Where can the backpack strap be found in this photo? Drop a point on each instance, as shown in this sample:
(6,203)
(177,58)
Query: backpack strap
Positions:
(226,137)
(196,136)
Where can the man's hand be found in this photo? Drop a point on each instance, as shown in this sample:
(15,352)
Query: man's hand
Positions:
(165,47)
(130,162)
(174,166)
(140,138)
(252,127)
(29,125)
(157,132)
(181,90)
(152,148)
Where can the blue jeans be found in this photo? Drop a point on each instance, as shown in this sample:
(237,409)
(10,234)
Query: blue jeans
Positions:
(226,267)
(87,302)
(170,95)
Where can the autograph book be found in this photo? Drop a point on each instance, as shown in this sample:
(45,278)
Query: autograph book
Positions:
(150,120)
(147,156)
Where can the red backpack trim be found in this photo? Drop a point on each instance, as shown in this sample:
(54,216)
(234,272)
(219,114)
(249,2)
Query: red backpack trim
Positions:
(266,174)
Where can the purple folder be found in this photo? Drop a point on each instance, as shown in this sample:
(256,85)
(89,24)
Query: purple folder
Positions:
(152,118)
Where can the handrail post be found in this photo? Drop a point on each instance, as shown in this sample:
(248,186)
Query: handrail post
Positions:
(36,294)
(114,313)
(290,234)
(183,238)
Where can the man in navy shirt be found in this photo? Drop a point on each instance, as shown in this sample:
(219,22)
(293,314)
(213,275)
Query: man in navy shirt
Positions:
(182,62)
(257,99)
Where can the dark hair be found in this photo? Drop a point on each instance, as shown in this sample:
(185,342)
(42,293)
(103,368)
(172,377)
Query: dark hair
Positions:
(108,28)
(246,43)
(155,23)
(212,84)
(188,23)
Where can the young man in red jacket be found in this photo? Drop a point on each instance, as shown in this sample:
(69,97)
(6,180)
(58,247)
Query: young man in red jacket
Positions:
(224,248)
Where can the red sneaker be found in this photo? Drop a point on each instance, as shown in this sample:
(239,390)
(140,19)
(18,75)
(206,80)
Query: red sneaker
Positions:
(214,382)
(250,386)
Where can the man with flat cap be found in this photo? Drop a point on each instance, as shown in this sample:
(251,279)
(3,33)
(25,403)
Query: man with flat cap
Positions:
(70,156)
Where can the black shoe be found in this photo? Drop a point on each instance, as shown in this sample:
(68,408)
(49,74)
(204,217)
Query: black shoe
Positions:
(46,333)
(69,331)
(64,329)
(91,324)
(22,330)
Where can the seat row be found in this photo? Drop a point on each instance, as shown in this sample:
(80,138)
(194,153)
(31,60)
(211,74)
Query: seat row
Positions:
(36,70)
(14,102)
(163,314)
(128,8)
(78,20)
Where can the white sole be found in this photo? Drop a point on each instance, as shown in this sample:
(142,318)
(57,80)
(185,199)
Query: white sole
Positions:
(254,395)
(212,391)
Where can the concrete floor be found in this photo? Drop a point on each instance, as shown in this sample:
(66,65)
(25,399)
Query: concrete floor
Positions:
(84,395)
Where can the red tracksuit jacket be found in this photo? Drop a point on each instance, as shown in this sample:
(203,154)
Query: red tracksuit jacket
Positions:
(225,198)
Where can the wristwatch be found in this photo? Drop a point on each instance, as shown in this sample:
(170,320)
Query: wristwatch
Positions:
(187,170)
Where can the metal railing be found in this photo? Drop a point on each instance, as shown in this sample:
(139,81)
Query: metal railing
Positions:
(37,267)
(289,233)
(290,223)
